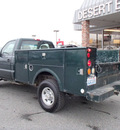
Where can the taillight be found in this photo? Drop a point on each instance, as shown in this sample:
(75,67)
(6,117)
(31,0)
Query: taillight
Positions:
(93,70)
(88,55)
(89,63)
(89,71)
(89,50)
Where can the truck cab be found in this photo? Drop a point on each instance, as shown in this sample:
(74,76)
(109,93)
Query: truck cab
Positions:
(7,54)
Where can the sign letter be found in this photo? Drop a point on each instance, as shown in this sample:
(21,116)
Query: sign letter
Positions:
(101,9)
(90,12)
(79,15)
(117,5)
(85,14)
(96,10)
(109,6)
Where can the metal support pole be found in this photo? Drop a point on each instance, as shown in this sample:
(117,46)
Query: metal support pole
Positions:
(102,39)
(56,35)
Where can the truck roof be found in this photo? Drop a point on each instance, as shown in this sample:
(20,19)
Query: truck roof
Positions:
(32,39)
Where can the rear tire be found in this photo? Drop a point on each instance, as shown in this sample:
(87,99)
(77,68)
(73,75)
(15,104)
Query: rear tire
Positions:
(49,96)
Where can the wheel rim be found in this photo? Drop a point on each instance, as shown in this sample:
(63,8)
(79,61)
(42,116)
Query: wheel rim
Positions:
(48,96)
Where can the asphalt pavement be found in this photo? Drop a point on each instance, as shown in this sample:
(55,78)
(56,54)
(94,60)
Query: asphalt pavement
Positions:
(20,110)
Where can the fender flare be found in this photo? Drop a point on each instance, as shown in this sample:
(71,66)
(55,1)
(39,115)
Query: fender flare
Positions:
(51,72)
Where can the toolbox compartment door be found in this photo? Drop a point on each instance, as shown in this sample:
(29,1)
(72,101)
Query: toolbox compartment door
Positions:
(21,66)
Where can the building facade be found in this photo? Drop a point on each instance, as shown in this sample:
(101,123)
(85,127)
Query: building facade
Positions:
(99,21)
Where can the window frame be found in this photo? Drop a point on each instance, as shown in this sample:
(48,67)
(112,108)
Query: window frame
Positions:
(7,45)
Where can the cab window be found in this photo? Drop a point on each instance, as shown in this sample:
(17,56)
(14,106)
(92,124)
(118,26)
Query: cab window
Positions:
(33,45)
(45,45)
(29,45)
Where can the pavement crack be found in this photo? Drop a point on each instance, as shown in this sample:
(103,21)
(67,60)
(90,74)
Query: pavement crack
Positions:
(28,116)
(114,117)
(93,127)
(99,111)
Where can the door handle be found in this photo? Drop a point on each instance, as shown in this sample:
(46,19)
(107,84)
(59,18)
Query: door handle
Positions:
(31,67)
(43,55)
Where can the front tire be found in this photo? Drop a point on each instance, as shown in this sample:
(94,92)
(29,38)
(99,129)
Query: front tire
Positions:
(49,96)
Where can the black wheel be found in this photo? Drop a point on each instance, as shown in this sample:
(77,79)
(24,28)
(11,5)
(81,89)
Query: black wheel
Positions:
(49,96)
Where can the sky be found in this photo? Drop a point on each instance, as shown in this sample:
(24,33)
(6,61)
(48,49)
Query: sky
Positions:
(24,18)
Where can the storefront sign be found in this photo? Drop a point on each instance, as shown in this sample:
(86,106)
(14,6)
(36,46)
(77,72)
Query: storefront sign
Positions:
(102,9)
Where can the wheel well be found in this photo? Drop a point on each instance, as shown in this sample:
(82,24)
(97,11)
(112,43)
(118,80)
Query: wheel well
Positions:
(42,76)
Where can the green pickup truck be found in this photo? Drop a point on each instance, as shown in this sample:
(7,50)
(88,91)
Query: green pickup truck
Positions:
(56,72)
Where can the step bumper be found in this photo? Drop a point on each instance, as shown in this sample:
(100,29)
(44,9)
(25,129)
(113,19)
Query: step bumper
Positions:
(104,92)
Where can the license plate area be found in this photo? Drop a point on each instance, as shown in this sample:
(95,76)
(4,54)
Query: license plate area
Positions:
(91,80)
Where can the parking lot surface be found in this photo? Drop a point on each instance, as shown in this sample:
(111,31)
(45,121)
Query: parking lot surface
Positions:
(20,110)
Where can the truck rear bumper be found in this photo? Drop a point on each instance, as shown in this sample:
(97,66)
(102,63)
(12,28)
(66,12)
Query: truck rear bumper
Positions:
(100,94)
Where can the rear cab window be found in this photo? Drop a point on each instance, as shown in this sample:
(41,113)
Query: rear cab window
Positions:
(35,44)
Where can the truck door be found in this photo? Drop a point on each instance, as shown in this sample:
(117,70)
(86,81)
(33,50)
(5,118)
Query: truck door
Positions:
(7,60)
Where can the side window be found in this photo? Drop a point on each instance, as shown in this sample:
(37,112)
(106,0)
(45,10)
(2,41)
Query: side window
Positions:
(8,48)
(44,46)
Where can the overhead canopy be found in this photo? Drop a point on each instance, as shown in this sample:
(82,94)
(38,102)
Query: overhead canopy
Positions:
(100,13)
